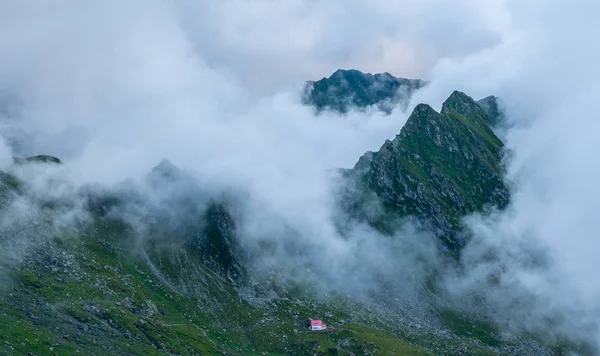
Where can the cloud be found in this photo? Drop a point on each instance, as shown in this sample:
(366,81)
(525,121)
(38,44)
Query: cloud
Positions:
(113,87)
(544,71)
(269,43)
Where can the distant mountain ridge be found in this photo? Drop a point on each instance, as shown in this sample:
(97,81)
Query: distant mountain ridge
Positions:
(352,89)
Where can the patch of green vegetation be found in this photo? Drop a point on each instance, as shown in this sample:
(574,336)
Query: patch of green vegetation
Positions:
(468,326)
(29,279)
(382,342)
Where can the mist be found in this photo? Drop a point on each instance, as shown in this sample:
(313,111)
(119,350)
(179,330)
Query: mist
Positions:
(113,101)
(114,88)
(544,245)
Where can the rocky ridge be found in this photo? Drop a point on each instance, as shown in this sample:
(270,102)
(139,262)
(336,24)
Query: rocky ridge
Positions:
(351,89)
(439,168)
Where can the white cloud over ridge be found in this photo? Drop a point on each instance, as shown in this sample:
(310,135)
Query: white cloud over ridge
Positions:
(113,87)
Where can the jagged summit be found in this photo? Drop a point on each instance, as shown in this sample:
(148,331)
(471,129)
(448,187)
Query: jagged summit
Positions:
(487,107)
(420,117)
(440,167)
(462,104)
(349,74)
(349,89)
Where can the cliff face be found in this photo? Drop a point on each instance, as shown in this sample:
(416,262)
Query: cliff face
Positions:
(440,167)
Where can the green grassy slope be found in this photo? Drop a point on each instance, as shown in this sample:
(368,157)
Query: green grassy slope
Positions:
(92,296)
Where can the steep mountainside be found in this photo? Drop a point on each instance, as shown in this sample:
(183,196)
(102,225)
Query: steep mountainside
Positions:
(440,167)
(346,89)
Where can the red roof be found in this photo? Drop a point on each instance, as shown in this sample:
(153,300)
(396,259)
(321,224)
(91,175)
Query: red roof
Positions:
(316,322)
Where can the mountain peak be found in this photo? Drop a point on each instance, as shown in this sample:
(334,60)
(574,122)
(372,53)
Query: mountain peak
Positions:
(46,159)
(349,89)
(423,109)
(166,170)
(422,116)
(461,103)
(440,167)
(165,165)
(347,72)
